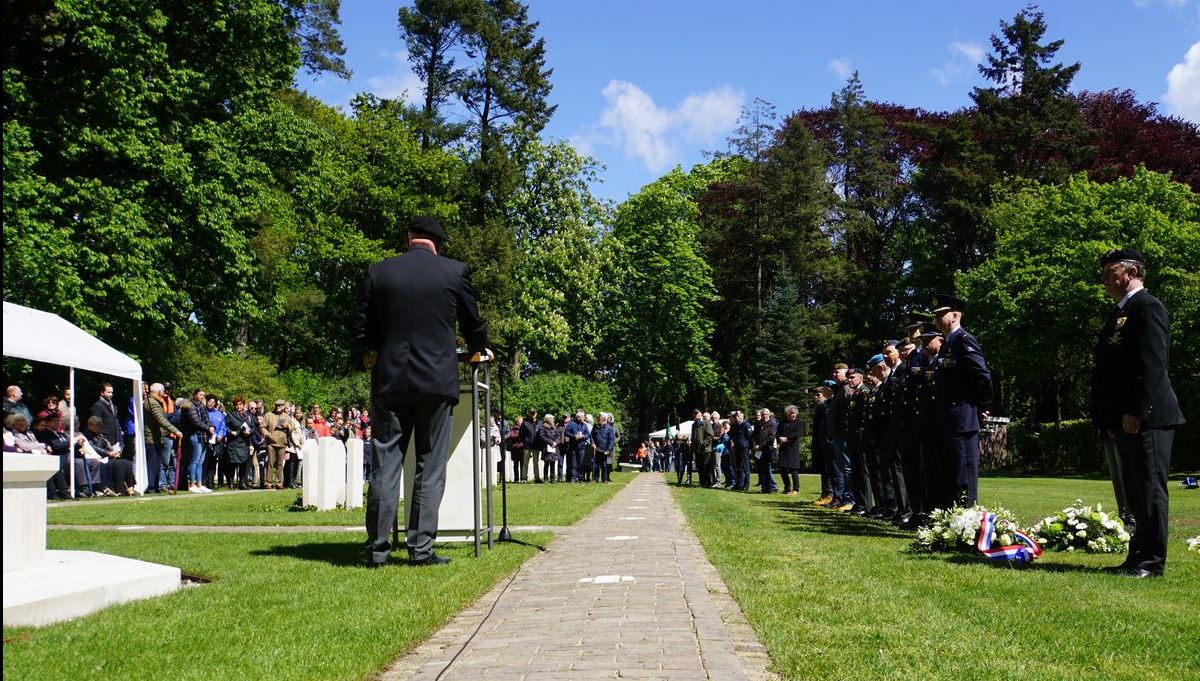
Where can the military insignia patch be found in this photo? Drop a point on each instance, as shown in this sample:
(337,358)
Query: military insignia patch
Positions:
(1121,321)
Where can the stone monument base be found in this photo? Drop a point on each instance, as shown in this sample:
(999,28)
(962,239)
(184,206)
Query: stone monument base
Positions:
(74,583)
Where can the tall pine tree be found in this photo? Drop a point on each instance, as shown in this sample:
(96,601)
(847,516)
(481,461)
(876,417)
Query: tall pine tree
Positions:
(782,365)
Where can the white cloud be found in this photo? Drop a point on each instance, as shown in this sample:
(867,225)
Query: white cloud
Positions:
(401,83)
(963,55)
(654,134)
(841,67)
(1183,86)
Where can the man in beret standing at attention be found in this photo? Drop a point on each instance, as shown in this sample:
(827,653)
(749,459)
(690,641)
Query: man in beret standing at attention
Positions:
(404,326)
(1134,406)
(964,396)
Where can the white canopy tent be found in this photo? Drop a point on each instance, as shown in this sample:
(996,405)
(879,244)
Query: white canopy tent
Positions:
(44,337)
(684,428)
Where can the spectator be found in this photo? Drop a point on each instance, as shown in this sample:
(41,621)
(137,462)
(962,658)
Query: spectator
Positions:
(292,453)
(120,468)
(18,437)
(547,444)
(158,430)
(214,460)
(237,443)
(276,428)
(319,424)
(576,434)
(531,451)
(604,436)
(516,450)
(196,428)
(564,448)
(788,436)
(489,438)
(254,409)
(65,410)
(106,411)
(47,429)
(14,405)
(50,405)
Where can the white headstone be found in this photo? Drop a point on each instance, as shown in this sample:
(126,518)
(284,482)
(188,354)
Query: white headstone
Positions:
(331,473)
(354,473)
(308,472)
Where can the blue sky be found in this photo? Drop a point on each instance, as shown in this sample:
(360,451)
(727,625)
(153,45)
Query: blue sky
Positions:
(643,86)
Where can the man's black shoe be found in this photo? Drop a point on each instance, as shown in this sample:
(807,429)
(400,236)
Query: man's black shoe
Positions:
(1118,569)
(1138,573)
(433,559)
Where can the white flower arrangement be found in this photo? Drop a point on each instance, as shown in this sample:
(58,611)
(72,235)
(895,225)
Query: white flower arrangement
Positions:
(956,529)
(1082,527)
(1194,544)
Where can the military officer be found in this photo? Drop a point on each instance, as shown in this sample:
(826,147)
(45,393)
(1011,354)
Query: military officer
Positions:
(964,392)
(1134,405)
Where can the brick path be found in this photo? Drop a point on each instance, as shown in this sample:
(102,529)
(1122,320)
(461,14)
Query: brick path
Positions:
(627,593)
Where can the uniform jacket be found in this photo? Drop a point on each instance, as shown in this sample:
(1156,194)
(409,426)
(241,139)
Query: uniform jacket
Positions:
(964,384)
(1130,375)
(839,405)
(407,314)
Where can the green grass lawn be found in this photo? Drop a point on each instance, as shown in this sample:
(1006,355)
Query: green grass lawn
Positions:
(838,597)
(297,606)
(528,504)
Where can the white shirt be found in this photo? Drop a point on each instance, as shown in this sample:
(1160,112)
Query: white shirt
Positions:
(1121,305)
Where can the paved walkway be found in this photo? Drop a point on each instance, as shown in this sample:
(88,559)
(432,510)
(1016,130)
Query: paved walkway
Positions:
(627,593)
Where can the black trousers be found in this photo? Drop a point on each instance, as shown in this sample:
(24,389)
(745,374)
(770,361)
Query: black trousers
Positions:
(914,471)
(962,459)
(395,420)
(704,464)
(1145,462)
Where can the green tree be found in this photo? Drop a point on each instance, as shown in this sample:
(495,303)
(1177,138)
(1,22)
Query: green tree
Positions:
(1037,304)
(559,393)
(781,360)
(434,30)
(658,330)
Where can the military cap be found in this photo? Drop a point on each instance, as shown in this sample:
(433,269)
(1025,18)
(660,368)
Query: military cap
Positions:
(891,343)
(944,302)
(915,319)
(852,370)
(1119,254)
(875,359)
(428,226)
(928,332)
(830,383)
(280,403)
(840,365)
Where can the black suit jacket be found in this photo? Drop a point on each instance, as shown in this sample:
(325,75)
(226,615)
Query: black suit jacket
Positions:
(407,314)
(1130,375)
(964,384)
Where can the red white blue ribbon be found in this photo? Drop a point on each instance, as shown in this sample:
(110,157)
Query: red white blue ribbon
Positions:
(1025,551)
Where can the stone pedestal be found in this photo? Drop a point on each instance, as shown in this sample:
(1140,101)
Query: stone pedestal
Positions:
(42,587)
(25,477)
(354,473)
(457,510)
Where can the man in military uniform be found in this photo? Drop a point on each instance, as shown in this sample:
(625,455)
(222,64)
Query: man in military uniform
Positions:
(937,493)
(857,479)
(910,372)
(1134,405)
(836,416)
(872,436)
(895,497)
(964,392)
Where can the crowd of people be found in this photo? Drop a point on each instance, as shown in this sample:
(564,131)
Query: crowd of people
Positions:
(196,443)
(892,440)
(577,449)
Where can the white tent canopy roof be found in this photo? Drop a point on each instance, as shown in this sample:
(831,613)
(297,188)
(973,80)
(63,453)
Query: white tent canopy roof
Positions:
(44,337)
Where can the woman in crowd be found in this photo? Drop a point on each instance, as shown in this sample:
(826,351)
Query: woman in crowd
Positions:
(516,449)
(47,429)
(215,464)
(193,416)
(723,459)
(547,442)
(120,467)
(292,452)
(788,436)
(18,437)
(237,444)
(319,424)
(564,450)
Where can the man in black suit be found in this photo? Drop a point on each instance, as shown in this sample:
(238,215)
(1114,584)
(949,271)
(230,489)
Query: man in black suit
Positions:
(405,327)
(1134,406)
(964,397)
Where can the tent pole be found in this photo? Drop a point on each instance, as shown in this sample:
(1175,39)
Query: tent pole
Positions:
(71,441)
(140,474)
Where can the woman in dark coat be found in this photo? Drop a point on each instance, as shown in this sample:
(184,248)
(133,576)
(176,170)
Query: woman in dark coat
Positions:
(237,443)
(788,436)
(546,441)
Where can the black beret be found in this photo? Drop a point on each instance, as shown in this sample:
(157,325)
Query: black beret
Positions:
(916,318)
(944,302)
(428,225)
(1119,254)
